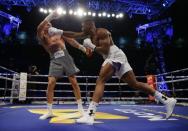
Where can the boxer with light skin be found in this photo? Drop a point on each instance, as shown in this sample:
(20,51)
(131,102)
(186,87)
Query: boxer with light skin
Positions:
(61,62)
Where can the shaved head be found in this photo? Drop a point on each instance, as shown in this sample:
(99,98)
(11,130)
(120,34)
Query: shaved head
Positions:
(88,25)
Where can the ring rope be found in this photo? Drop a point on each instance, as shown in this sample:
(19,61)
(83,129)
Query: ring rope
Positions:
(104,98)
(6,74)
(4,68)
(6,78)
(168,77)
(59,83)
(176,77)
(176,71)
(61,91)
(172,81)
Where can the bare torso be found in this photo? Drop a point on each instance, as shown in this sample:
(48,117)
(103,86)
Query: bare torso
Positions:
(52,43)
(96,38)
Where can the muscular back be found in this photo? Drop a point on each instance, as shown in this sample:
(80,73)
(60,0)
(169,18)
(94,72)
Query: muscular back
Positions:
(100,33)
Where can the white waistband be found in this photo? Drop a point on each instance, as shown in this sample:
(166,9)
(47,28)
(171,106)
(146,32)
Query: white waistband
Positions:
(113,50)
(58,54)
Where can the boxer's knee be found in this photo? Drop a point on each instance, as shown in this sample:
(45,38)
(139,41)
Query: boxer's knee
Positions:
(134,84)
(73,81)
(51,84)
(100,80)
(105,73)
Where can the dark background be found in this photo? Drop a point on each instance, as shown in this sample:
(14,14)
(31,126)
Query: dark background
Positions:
(18,53)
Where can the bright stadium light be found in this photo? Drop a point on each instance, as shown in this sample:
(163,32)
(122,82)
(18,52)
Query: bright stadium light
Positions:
(45,11)
(121,15)
(41,10)
(85,13)
(80,12)
(64,12)
(70,12)
(75,13)
(94,14)
(104,14)
(89,13)
(117,16)
(59,10)
(50,10)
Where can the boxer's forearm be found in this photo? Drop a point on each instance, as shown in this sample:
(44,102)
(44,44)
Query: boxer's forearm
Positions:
(48,19)
(75,44)
(104,48)
(45,21)
(40,27)
(73,34)
(53,15)
(71,41)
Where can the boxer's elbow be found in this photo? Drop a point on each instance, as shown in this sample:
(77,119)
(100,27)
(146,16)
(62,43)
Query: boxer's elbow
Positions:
(41,25)
(39,28)
(39,33)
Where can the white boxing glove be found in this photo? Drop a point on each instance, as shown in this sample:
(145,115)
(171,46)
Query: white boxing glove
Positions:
(88,43)
(54,31)
(53,15)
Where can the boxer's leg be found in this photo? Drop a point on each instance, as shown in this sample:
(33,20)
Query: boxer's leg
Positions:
(169,103)
(70,70)
(106,73)
(77,94)
(50,96)
(55,71)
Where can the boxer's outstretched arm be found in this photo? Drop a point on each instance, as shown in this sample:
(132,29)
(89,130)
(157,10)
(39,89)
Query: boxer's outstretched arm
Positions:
(40,28)
(74,34)
(74,43)
(71,41)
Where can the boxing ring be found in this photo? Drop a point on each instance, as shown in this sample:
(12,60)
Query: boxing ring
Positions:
(121,108)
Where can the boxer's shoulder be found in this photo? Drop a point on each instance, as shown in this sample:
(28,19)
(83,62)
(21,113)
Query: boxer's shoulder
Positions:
(102,32)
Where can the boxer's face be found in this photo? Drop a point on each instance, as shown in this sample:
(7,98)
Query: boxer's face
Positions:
(86,28)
